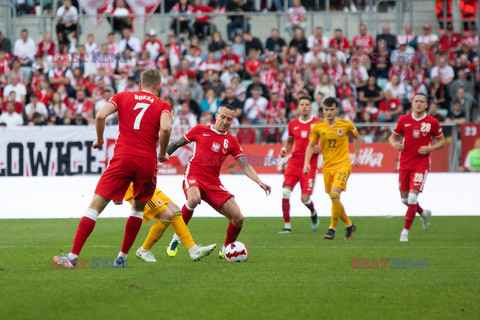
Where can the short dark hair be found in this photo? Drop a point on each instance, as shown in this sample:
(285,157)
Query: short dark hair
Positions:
(228,106)
(330,101)
(421,94)
(304,98)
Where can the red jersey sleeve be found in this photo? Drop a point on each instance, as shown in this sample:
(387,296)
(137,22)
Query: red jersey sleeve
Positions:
(116,100)
(236,149)
(437,130)
(192,135)
(399,127)
(290,131)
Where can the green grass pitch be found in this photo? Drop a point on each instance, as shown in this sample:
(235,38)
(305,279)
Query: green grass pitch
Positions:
(294,276)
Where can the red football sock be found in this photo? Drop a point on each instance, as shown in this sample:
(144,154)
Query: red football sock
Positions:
(310,206)
(131,230)
(419,209)
(85,228)
(186,214)
(410,216)
(286,210)
(232,233)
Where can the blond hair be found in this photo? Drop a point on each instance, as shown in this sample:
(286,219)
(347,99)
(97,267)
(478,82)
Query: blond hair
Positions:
(150,78)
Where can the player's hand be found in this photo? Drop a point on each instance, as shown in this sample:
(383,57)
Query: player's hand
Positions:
(357,163)
(317,149)
(265,187)
(283,152)
(163,158)
(424,150)
(306,168)
(398,146)
(117,202)
(97,144)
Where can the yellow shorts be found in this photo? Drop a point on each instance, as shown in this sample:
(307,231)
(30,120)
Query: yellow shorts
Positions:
(154,206)
(336,178)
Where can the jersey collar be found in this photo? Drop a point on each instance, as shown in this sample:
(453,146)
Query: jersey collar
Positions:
(211,128)
(310,119)
(146,91)
(413,117)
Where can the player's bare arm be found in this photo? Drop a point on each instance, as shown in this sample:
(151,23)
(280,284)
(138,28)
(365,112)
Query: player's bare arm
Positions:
(165,130)
(357,142)
(287,147)
(308,156)
(393,140)
(172,147)
(252,174)
(439,144)
(106,110)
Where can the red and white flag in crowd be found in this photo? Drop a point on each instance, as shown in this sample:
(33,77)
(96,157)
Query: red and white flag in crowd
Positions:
(144,8)
(95,8)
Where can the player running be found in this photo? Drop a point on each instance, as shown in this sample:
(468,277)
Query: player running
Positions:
(333,134)
(160,207)
(141,117)
(298,133)
(213,144)
(417,129)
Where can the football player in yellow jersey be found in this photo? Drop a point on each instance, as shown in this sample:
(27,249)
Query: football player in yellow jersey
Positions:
(333,134)
(160,207)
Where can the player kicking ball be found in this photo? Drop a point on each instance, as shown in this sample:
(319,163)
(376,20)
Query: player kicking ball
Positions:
(213,144)
(160,208)
(333,134)
(298,133)
(418,129)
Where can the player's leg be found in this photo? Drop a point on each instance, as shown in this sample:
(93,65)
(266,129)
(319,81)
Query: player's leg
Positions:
(232,212)
(84,229)
(328,180)
(287,192)
(307,183)
(339,184)
(194,197)
(424,214)
(163,221)
(313,213)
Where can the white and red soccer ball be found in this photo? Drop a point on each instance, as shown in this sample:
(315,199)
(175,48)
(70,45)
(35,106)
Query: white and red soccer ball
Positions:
(236,252)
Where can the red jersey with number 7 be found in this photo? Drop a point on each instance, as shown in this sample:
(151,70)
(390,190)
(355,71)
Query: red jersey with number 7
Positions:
(416,133)
(211,149)
(139,115)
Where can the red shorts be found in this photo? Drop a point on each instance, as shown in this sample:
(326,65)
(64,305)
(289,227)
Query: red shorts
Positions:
(214,194)
(295,174)
(124,169)
(411,179)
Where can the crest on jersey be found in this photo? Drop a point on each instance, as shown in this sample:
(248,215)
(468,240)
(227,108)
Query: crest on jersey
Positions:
(215,147)
(159,202)
(416,133)
(340,132)
(304,134)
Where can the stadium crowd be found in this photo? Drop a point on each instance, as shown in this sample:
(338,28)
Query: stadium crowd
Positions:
(55,82)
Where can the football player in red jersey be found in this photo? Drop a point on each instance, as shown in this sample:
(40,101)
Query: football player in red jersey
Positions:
(418,128)
(298,133)
(213,144)
(141,116)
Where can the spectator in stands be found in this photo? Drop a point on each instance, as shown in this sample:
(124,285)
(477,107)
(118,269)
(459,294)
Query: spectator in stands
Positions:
(59,75)
(396,87)
(131,42)
(468,11)
(389,109)
(467,103)
(299,88)
(430,39)
(317,105)
(275,45)
(466,60)
(122,17)
(238,46)
(423,58)
(216,85)
(326,87)
(297,17)
(36,107)
(196,91)
(246,135)
(193,105)
(335,71)
(153,45)
(238,21)
(185,116)
(357,73)
(318,38)
(380,60)
(350,107)
(252,42)
(46,47)
(313,73)
(471,38)
(415,88)
(17,87)
(210,64)
(433,111)
(233,101)
(81,110)
(438,92)
(217,45)
(44,92)
(364,40)
(77,81)
(276,109)
(456,114)
(211,102)
(299,41)
(193,58)
(18,105)
(461,82)
(10,118)
(402,69)
(5,44)
(202,26)
(371,93)
(257,85)
(252,64)
(107,94)
(408,38)
(18,71)
(444,13)
(340,42)
(270,134)
(443,70)
(183,74)
(182,12)
(390,39)
(240,90)
(67,20)
(229,58)
(25,49)
(112,46)
(450,41)
(255,107)
(317,54)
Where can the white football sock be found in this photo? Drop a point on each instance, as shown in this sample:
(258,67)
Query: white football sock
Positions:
(288,225)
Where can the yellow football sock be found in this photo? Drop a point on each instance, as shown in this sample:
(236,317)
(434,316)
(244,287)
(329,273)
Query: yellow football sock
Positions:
(155,233)
(181,230)
(337,209)
(345,218)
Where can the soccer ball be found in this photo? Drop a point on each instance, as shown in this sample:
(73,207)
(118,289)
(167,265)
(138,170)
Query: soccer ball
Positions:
(236,252)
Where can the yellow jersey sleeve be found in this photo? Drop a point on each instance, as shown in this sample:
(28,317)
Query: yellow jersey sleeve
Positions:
(352,129)
(315,133)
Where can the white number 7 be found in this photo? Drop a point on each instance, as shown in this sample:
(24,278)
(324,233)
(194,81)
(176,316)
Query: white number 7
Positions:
(144,107)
